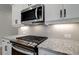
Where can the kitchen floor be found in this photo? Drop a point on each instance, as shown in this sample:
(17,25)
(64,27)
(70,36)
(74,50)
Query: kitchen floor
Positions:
(0,51)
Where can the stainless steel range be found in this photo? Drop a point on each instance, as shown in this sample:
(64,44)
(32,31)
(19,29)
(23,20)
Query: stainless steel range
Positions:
(29,43)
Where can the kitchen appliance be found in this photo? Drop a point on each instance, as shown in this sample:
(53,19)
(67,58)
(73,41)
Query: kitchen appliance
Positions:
(29,44)
(33,14)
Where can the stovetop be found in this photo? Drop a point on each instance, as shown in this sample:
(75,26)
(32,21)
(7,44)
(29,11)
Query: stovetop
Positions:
(32,40)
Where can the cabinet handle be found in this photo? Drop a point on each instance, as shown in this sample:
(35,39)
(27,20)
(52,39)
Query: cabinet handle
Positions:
(5,48)
(64,12)
(16,21)
(60,13)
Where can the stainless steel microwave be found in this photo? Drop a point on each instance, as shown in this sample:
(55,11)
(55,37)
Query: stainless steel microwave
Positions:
(33,14)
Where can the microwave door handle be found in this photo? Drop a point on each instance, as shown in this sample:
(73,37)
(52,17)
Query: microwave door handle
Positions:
(36,13)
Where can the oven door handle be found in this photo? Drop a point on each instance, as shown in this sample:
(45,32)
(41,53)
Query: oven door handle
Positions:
(22,50)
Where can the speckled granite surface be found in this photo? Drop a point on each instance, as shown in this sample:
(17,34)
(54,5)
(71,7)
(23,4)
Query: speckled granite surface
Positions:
(62,45)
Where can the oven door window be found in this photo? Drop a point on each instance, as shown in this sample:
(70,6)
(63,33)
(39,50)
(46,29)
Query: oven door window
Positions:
(28,15)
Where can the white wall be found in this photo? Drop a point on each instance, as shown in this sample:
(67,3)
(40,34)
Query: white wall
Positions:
(52,31)
(6,21)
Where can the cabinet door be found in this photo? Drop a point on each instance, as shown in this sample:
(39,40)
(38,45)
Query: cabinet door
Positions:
(6,47)
(53,12)
(71,11)
(16,14)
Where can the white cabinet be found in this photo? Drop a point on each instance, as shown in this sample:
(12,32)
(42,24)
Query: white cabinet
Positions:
(61,13)
(53,11)
(16,14)
(71,11)
(6,47)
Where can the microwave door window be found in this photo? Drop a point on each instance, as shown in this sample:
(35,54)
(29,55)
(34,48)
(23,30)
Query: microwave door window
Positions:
(28,15)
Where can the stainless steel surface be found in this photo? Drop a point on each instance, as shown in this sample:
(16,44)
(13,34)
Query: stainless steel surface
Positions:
(35,21)
(32,7)
(22,50)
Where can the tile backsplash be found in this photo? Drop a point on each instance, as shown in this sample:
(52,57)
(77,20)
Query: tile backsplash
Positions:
(59,31)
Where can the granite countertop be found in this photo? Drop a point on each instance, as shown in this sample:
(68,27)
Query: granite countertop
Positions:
(61,45)
(12,37)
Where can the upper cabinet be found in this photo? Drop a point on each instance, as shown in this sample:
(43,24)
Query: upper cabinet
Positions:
(65,13)
(71,11)
(53,12)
